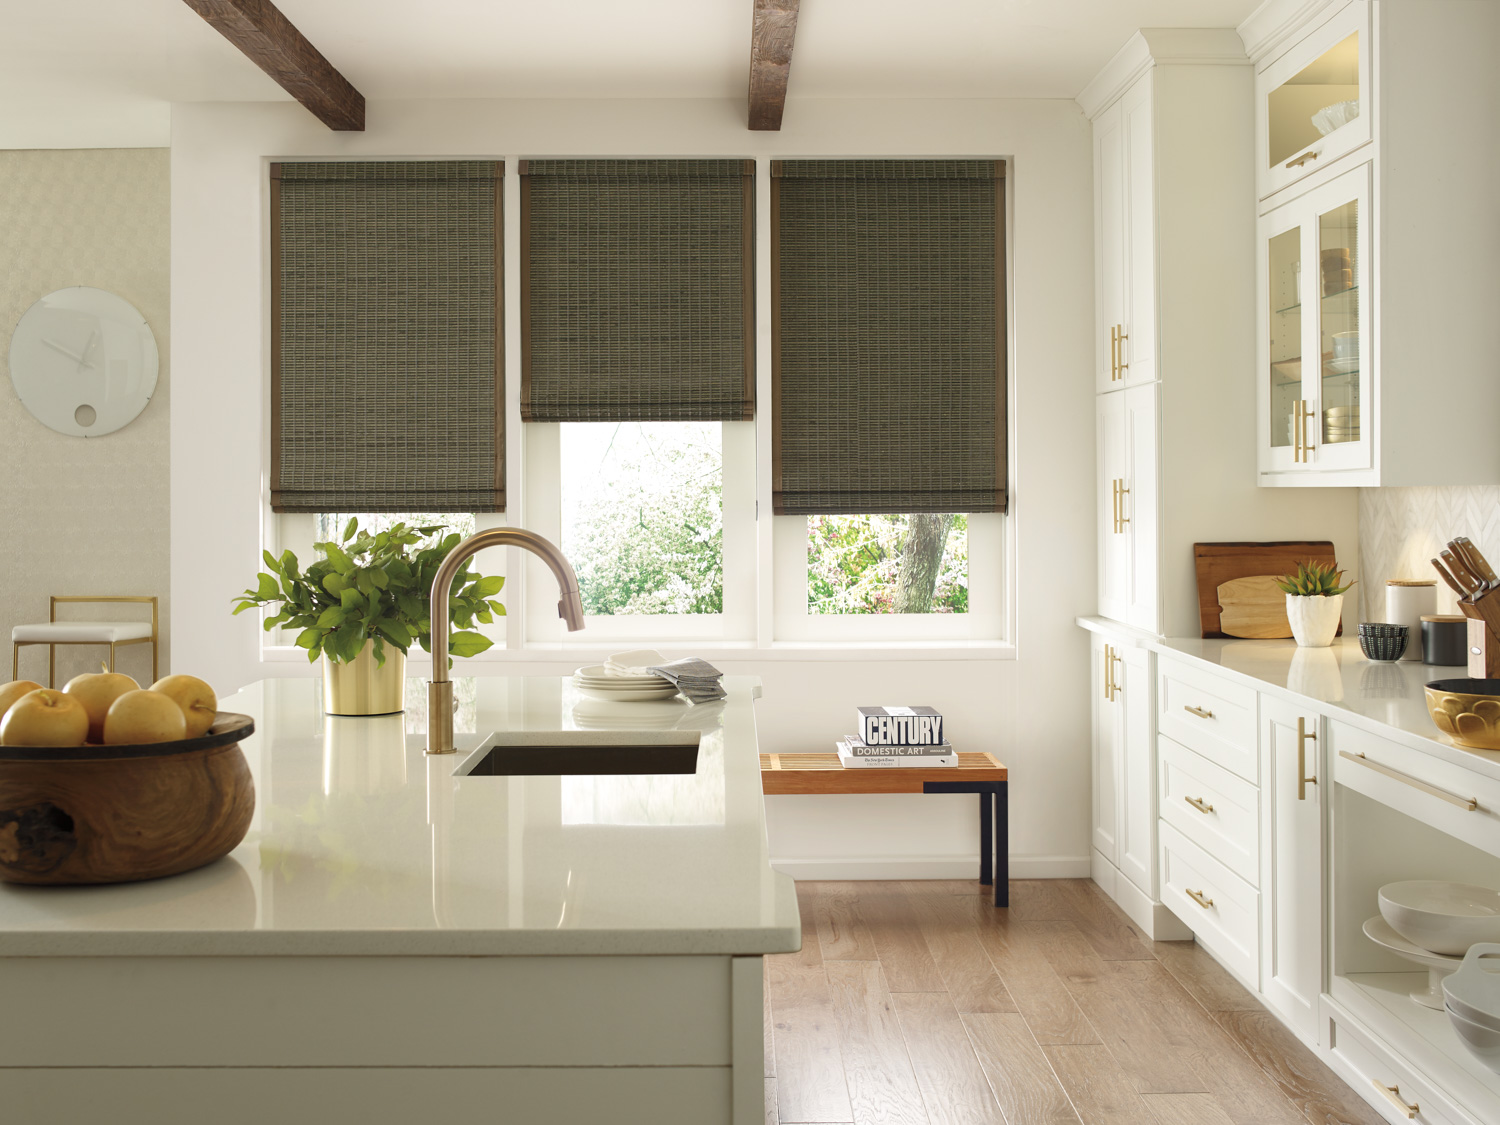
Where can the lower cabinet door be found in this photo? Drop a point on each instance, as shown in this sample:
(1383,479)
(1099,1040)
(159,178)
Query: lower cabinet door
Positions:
(1134,675)
(1292,861)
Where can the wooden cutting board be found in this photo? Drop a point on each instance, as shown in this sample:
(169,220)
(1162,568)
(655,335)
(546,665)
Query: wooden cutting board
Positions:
(1254,608)
(1221,563)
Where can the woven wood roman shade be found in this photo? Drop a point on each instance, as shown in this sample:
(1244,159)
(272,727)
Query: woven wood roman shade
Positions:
(387,389)
(637,290)
(888,324)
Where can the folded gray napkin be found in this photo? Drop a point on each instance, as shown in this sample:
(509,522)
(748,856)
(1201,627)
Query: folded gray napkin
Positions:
(697,679)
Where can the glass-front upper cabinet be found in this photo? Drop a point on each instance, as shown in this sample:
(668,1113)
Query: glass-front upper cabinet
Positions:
(1315,353)
(1315,100)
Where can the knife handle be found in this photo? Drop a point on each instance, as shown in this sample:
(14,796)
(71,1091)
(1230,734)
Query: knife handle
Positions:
(1474,559)
(1448,578)
(1461,572)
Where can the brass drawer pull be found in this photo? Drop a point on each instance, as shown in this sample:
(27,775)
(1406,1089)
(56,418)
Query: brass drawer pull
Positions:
(1468,803)
(1392,1094)
(1303,781)
(1197,896)
(1298,161)
(1198,804)
(1199,711)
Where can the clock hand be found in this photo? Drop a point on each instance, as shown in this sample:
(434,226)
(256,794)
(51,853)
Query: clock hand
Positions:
(55,346)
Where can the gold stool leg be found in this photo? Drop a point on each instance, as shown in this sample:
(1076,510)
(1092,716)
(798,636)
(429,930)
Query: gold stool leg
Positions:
(15,661)
(111,656)
(51,665)
(154,676)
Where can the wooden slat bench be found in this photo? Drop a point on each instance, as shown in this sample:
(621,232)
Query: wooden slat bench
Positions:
(787,774)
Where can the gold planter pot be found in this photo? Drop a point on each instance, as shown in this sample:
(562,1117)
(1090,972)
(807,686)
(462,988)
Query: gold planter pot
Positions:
(361,688)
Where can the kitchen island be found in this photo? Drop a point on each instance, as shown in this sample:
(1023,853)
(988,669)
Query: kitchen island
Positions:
(395,938)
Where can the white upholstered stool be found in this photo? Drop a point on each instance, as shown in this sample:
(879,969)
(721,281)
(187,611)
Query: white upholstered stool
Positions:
(111,633)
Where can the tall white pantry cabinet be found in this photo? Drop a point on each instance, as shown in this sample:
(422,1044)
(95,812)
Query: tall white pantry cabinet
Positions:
(1161,160)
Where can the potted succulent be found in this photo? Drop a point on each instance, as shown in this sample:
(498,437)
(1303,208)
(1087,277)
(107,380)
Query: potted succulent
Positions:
(361,605)
(1314,602)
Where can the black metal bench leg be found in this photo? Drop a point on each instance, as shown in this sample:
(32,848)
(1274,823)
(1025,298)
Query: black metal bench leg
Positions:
(986,839)
(1002,845)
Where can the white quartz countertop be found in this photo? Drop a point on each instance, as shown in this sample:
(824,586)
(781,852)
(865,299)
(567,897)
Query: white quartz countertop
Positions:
(364,845)
(1384,699)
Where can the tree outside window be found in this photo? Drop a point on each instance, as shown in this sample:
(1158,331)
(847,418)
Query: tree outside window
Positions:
(888,564)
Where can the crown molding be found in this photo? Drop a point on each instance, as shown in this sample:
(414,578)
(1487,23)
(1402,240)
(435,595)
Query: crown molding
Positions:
(1161,46)
(1266,30)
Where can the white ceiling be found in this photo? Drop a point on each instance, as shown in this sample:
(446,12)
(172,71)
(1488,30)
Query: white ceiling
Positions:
(157,51)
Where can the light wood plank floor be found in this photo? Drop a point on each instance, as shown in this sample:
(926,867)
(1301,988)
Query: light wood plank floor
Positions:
(922,1004)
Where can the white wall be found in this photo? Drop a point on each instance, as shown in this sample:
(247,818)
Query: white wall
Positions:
(1033,710)
(83,515)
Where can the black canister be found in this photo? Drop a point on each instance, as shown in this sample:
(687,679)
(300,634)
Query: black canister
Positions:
(1445,639)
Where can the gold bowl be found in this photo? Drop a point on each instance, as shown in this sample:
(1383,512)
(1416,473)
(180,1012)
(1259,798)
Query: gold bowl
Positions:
(1467,710)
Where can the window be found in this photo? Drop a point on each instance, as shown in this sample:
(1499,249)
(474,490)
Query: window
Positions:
(917,563)
(642,516)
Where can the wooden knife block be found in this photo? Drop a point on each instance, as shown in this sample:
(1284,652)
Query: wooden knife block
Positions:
(1484,651)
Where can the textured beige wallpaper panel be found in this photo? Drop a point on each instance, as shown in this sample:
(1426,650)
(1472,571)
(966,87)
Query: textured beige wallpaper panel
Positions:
(82,515)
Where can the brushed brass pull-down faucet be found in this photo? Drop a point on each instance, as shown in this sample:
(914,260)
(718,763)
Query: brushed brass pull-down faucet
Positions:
(440,687)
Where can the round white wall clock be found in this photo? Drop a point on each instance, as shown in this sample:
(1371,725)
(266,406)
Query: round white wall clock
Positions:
(84,361)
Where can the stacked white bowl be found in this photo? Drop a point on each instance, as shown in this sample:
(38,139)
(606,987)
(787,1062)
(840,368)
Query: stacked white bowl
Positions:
(1450,920)
(1473,1002)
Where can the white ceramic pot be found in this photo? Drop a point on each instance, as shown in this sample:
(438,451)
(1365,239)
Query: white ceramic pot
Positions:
(1315,619)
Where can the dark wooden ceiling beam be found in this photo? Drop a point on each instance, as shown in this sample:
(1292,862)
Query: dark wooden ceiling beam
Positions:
(771,36)
(269,40)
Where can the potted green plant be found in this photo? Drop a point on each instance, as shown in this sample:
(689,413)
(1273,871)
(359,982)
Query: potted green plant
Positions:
(1314,602)
(361,605)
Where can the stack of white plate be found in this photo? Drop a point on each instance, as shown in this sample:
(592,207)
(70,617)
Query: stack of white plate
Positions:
(1473,1003)
(593,682)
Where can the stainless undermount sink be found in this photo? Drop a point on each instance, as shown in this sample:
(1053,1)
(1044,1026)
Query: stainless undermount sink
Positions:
(582,752)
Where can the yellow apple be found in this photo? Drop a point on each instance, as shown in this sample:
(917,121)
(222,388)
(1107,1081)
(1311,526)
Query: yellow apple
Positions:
(96,691)
(13,691)
(197,700)
(44,718)
(143,716)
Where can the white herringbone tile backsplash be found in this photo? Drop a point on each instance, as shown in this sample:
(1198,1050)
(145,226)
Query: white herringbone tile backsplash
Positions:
(1400,529)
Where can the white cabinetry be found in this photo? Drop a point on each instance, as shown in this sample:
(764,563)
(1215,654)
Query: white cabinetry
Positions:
(1292,858)
(1124,780)
(1125,246)
(1128,532)
(1365,290)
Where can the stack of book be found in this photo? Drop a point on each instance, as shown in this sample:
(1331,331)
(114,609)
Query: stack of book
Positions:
(897,736)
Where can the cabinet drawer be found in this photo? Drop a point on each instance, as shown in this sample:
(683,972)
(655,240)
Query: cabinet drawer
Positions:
(1211,715)
(1223,911)
(1211,807)
(1372,1070)
(1422,786)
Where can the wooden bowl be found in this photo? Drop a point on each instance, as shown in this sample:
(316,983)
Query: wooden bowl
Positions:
(1468,710)
(116,814)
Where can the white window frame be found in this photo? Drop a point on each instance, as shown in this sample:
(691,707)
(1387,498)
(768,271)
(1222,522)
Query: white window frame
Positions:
(765,556)
(984,620)
(543,488)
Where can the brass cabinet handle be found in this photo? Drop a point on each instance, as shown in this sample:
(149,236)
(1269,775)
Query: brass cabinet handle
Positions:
(1199,711)
(1299,425)
(1197,896)
(1467,803)
(1114,489)
(1392,1094)
(1122,337)
(1111,685)
(1124,492)
(1303,781)
(1308,414)
(1114,352)
(1298,161)
(1198,804)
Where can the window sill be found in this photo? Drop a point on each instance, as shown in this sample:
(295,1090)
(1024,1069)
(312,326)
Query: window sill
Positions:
(564,653)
